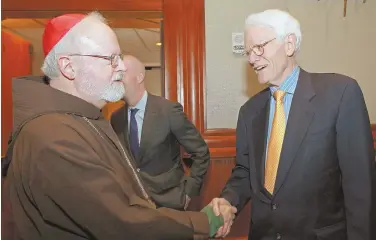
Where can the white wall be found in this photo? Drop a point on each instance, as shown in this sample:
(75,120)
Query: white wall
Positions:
(153,81)
(330,43)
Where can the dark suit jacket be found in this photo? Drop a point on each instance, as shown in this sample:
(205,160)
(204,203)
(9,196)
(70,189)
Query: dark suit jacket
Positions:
(325,187)
(165,129)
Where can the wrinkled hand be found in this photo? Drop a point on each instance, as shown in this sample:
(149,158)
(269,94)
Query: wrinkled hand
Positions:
(222,207)
(187,201)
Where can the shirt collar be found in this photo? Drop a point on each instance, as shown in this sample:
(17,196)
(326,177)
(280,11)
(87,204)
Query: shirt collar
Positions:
(289,85)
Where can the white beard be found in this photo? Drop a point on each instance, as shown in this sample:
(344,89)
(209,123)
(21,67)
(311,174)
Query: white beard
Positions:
(113,92)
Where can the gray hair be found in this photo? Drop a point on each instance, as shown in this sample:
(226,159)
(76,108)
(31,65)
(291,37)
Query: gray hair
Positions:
(72,40)
(281,22)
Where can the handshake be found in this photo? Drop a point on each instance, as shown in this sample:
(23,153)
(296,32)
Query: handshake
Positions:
(221,216)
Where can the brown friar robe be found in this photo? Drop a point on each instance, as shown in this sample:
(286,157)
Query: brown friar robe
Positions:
(70,178)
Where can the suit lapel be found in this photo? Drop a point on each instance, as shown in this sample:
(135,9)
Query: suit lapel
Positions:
(300,117)
(259,138)
(259,130)
(151,113)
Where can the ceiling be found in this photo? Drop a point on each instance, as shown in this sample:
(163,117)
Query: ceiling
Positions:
(137,36)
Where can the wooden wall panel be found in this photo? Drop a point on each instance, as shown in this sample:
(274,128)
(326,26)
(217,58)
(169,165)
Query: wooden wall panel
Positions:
(183,38)
(74,5)
(184,43)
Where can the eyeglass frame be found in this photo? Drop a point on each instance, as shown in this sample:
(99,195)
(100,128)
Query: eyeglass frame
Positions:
(259,46)
(111,58)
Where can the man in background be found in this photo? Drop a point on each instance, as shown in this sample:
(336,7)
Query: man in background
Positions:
(69,176)
(154,129)
(304,152)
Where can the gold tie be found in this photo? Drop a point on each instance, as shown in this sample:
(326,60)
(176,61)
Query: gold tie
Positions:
(275,141)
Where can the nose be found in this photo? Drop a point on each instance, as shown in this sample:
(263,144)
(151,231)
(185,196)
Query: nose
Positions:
(121,66)
(253,58)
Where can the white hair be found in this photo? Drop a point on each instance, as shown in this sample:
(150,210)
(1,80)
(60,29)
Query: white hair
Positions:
(72,41)
(281,22)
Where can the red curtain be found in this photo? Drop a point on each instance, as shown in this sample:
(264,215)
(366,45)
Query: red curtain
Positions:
(15,61)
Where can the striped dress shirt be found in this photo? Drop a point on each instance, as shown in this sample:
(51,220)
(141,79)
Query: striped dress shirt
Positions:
(289,86)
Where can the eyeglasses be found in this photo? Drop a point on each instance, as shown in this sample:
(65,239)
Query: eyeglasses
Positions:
(114,58)
(257,49)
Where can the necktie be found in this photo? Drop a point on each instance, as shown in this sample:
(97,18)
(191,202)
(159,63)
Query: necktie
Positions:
(275,141)
(133,133)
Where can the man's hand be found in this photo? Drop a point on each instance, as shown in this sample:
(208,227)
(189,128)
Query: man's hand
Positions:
(222,207)
(187,201)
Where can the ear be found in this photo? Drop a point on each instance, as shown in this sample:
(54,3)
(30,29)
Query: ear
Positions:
(290,45)
(66,68)
(140,78)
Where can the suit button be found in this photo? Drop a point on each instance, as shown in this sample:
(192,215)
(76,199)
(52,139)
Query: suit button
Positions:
(279,236)
(274,206)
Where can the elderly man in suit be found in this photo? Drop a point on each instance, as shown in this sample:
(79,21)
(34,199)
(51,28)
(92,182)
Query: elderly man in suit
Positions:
(154,129)
(304,152)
